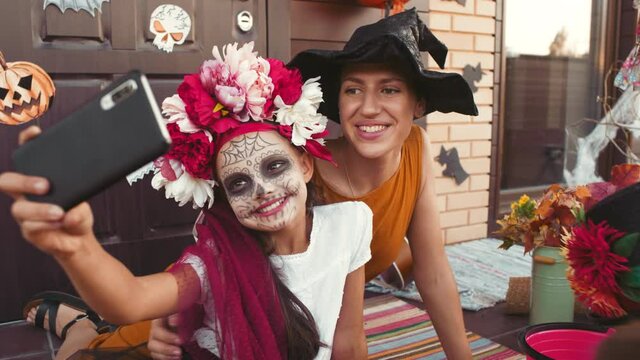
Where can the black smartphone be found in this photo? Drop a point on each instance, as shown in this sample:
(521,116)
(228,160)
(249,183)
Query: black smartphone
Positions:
(115,133)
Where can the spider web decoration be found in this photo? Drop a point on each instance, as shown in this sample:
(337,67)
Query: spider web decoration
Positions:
(89,6)
(625,114)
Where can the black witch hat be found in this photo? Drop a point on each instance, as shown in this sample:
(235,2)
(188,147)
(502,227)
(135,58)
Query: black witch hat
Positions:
(397,39)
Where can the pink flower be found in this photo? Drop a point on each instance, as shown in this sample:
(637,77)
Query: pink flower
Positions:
(194,151)
(212,73)
(202,109)
(287,83)
(218,81)
(590,256)
(258,87)
(238,79)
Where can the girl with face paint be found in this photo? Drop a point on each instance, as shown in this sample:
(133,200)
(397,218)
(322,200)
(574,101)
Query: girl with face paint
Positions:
(271,276)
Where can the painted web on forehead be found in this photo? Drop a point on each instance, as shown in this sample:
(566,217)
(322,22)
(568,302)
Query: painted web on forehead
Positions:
(244,147)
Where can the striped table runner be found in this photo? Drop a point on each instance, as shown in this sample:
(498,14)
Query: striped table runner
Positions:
(398,330)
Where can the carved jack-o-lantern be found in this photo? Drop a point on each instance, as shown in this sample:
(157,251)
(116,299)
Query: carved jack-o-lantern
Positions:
(25,91)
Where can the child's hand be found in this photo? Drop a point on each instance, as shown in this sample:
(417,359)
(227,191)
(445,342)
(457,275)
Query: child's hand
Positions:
(46,226)
(164,343)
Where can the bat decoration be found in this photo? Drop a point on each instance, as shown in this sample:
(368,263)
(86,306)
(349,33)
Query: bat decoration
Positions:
(453,168)
(461,2)
(472,74)
(89,6)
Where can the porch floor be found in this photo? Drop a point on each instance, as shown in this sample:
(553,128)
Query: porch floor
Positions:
(19,340)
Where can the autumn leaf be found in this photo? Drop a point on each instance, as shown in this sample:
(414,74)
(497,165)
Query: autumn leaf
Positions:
(582,193)
(545,209)
(528,243)
(599,191)
(625,175)
(565,217)
(552,239)
(554,188)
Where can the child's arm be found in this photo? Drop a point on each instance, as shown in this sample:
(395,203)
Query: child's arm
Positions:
(104,283)
(100,279)
(114,292)
(349,340)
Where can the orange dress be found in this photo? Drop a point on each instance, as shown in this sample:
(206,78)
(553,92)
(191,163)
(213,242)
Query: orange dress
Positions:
(126,336)
(392,204)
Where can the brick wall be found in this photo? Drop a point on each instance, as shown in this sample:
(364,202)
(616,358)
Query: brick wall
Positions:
(469,33)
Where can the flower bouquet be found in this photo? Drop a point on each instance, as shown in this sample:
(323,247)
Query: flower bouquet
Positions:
(542,223)
(539,226)
(597,229)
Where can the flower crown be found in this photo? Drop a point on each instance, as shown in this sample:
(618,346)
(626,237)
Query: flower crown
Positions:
(234,89)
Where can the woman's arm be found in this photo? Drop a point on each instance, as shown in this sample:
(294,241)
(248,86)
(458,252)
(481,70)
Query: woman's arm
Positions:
(349,341)
(431,269)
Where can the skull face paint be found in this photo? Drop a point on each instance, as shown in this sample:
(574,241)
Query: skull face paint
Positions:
(171,25)
(262,177)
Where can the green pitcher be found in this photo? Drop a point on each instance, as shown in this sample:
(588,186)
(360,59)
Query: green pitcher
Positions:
(552,299)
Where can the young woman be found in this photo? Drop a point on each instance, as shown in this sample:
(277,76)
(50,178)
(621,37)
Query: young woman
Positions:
(275,276)
(375,87)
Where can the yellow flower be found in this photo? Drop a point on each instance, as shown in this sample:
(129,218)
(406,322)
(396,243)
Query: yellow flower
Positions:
(523,200)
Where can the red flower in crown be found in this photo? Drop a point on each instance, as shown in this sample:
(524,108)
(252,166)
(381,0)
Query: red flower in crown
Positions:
(203,110)
(287,84)
(194,150)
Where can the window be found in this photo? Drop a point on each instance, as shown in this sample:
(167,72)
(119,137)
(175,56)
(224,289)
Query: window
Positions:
(553,77)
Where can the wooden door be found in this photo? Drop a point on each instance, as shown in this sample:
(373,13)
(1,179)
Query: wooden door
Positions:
(82,54)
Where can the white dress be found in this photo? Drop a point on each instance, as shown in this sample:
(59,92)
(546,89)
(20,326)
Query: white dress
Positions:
(339,244)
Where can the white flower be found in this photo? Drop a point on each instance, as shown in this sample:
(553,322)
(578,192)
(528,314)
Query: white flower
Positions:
(174,109)
(185,188)
(302,116)
(312,92)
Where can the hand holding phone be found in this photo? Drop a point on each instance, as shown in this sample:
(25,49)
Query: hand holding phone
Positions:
(115,133)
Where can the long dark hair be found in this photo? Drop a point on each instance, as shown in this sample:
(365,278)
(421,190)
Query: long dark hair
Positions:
(303,339)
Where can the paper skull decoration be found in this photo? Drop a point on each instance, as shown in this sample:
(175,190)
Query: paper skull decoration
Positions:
(171,25)
(26,91)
